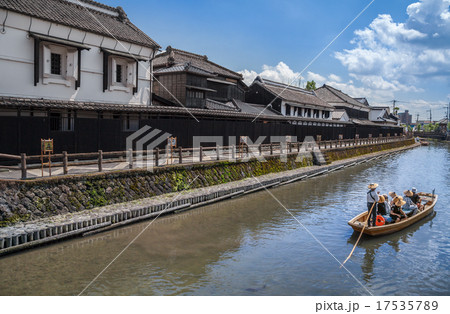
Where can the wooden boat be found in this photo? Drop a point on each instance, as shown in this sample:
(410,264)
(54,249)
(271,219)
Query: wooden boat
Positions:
(359,221)
(424,143)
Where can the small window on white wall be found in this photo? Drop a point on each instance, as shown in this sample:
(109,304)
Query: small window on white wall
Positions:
(60,64)
(123,74)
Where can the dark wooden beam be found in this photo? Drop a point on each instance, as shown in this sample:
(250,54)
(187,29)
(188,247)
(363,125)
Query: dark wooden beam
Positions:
(78,81)
(36,61)
(105,70)
(135,89)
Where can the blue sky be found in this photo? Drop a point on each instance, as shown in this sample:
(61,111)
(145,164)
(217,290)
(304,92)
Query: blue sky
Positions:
(395,50)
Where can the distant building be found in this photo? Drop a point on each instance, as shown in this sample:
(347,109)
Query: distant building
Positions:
(405,117)
(382,115)
(192,80)
(339,100)
(289,100)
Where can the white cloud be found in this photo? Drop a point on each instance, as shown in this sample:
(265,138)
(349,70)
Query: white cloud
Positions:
(279,73)
(319,79)
(334,77)
(248,75)
(397,56)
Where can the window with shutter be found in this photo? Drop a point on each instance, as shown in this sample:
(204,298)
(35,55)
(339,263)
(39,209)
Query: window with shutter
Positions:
(46,55)
(131,74)
(59,65)
(72,65)
(122,75)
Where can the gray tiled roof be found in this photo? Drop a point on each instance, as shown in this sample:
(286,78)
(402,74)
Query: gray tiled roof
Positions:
(254,108)
(181,56)
(362,100)
(334,96)
(83,17)
(364,122)
(183,67)
(292,94)
(216,105)
(48,104)
(337,114)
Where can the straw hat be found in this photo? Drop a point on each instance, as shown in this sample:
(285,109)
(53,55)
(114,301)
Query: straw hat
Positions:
(400,202)
(392,194)
(408,193)
(397,198)
(381,199)
(373,186)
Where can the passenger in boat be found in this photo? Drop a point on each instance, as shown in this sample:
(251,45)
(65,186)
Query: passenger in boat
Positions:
(397,213)
(393,195)
(410,208)
(416,199)
(372,199)
(386,203)
(381,206)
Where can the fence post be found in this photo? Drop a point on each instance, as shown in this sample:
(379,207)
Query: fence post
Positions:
(260,149)
(180,152)
(23,165)
(218,152)
(100,161)
(271,148)
(156,157)
(201,153)
(65,163)
(130,158)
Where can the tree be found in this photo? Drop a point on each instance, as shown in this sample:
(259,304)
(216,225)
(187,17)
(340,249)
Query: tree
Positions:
(311,85)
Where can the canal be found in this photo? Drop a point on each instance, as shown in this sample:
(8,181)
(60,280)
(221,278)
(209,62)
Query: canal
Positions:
(253,246)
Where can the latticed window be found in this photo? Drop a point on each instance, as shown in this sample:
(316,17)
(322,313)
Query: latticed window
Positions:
(55,64)
(119,73)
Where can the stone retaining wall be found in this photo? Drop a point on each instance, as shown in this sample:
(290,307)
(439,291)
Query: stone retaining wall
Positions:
(350,152)
(28,200)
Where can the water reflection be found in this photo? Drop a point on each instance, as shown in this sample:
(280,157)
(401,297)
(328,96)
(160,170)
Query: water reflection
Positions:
(370,245)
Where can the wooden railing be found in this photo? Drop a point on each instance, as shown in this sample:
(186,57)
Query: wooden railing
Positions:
(160,157)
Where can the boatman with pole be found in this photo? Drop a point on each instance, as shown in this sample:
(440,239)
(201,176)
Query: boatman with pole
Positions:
(372,200)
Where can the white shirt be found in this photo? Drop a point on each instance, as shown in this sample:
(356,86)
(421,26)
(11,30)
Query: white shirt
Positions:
(372,197)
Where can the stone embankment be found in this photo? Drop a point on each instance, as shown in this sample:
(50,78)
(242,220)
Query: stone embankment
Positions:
(53,209)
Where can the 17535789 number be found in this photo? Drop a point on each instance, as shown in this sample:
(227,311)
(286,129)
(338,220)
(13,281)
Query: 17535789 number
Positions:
(407,305)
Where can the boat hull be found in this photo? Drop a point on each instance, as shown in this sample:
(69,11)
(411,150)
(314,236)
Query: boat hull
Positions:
(358,222)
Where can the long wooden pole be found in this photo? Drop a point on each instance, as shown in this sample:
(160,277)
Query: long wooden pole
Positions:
(357,241)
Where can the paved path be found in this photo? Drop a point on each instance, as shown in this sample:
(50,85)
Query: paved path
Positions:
(34,170)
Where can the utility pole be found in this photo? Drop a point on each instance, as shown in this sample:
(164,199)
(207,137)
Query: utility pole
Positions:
(417,118)
(448,112)
(393,106)
(429,110)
